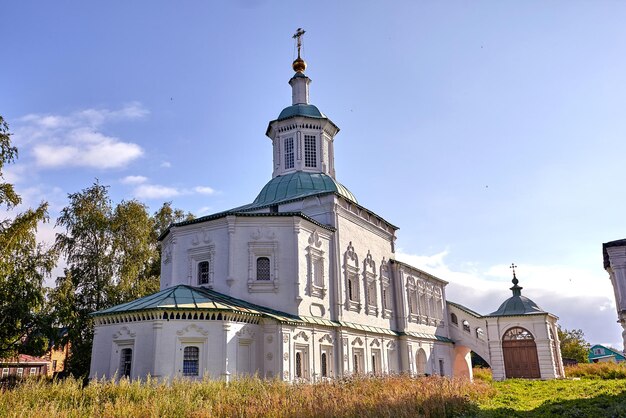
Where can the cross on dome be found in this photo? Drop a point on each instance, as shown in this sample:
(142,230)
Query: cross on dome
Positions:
(299,65)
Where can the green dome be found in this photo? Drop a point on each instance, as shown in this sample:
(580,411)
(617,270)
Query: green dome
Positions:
(307,110)
(517,305)
(298,185)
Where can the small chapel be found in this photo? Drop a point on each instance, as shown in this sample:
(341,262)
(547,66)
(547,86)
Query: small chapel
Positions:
(302,285)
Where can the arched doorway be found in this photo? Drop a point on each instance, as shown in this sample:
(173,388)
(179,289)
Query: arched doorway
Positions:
(520,354)
(421,361)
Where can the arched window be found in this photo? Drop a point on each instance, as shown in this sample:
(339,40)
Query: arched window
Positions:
(191,359)
(454,319)
(324,365)
(126,358)
(263,268)
(299,365)
(421,361)
(203,272)
(466,326)
(517,334)
(480,334)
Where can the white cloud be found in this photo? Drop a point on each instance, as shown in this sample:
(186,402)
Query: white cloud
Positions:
(166,164)
(77,140)
(564,291)
(203,210)
(155,191)
(134,180)
(204,190)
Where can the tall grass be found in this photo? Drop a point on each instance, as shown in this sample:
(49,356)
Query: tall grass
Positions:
(604,370)
(391,396)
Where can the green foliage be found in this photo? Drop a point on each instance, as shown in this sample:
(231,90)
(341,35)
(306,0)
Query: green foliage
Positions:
(135,251)
(113,257)
(555,398)
(23,266)
(573,345)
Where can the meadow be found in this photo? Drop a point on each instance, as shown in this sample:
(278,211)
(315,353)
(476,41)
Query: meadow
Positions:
(597,391)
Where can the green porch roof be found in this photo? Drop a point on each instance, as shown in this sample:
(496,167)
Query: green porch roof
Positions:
(184,297)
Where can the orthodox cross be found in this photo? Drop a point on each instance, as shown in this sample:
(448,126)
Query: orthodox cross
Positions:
(513,266)
(298,36)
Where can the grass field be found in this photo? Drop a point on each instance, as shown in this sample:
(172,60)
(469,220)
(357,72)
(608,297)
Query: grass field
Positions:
(599,392)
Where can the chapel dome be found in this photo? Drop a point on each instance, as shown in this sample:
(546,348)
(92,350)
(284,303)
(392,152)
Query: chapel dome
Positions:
(300,184)
(517,304)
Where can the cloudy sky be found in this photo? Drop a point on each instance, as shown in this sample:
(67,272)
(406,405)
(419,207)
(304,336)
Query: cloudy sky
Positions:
(490,132)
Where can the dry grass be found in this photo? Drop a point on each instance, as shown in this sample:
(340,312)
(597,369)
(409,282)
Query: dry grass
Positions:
(391,396)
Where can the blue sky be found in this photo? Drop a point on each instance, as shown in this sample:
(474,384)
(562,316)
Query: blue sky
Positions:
(489,132)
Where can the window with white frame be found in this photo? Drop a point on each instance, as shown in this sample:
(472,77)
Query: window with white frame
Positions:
(263,271)
(126,360)
(5,372)
(310,151)
(33,371)
(263,266)
(369,281)
(201,265)
(385,289)
(20,372)
(412,300)
(289,157)
(376,361)
(315,266)
(351,272)
(358,363)
(327,361)
(301,362)
(191,361)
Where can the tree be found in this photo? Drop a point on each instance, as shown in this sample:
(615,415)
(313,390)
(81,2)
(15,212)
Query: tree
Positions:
(112,256)
(24,264)
(574,345)
(135,251)
(87,286)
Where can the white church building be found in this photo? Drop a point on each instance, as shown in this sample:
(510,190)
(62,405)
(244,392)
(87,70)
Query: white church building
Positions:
(302,285)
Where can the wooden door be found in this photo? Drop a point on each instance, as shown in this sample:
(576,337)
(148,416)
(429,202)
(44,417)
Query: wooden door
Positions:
(520,359)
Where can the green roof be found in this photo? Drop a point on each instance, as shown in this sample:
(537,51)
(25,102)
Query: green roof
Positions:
(184,297)
(307,110)
(297,185)
(517,305)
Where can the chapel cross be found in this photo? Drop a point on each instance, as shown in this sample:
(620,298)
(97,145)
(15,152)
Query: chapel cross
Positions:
(298,36)
(513,266)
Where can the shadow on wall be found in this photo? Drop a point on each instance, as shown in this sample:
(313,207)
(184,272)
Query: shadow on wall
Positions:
(600,406)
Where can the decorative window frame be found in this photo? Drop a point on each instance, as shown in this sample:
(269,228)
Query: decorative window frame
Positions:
(196,256)
(386,295)
(369,285)
(124,338)
(351,273)
(412,296)
(192,336)
(330,361)
(256,250)
(303,350)
(422,302)
(316,267)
